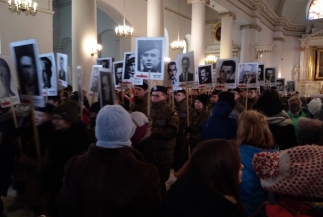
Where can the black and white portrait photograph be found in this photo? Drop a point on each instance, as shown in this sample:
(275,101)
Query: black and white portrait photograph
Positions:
(226,72)
(129,67)
(186,69)
(8,84)
(106,87)
(205,75)
(150,58)
(270,76)
(62,74)
(26,60)
(280,85)
(105,62)
(118,69)
(48,66)
(291,86)
(248,74)
(94,80)
(261,74)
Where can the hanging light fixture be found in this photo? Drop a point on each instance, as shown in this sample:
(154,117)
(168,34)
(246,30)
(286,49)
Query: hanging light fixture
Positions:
(124,30)
(178,44)
(210,59)
(25,6)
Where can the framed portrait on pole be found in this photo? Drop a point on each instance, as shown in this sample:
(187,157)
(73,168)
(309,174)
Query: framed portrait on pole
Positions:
(248,75)
(226,75)
(106,87)
(49,75)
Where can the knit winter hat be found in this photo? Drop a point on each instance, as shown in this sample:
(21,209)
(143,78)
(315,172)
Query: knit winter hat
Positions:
(270,105)
(68,110)
(227,97)
(47,109)
(139,118)
(203,98)
(114,127)
(314,106)
(296,171)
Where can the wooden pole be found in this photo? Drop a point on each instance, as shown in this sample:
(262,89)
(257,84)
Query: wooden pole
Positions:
(148,104)
(188,116)
(46,94)
(16,124)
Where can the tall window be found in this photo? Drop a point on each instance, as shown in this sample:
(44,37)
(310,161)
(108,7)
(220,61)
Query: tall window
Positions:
(315,10)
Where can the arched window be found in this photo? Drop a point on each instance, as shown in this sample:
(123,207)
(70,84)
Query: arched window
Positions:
(315,10)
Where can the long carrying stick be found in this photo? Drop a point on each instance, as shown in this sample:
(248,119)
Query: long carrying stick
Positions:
(187,116)
(16,123)
(148,104)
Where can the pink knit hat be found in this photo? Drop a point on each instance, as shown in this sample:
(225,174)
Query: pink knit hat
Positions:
(297,171)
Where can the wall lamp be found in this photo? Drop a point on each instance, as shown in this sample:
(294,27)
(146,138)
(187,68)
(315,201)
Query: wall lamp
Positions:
(95,49)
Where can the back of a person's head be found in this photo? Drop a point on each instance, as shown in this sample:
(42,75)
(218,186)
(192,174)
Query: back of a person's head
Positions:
(295,105)
(227,97)
(314,106)
(215,164)
(309,131)
(114,127)
(269,103)
(294,99)
(253,130)
(303,100)
(270,92)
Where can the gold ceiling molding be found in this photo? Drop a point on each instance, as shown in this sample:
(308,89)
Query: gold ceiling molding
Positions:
(227,14)
(279,39)
(264,48)
(192,1)
(251,26)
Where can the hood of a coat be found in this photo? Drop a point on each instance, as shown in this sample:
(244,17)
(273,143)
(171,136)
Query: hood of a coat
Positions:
(221,109)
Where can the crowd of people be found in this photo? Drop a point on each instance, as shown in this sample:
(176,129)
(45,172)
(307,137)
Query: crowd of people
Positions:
(225,148)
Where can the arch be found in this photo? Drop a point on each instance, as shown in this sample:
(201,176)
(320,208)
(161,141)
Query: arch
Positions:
(166,43)
(314,10)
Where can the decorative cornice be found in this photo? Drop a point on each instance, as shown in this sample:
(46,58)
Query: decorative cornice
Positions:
(192,1)
(251,26)
(227,14)
(250,4)
(279,39)
(264,48)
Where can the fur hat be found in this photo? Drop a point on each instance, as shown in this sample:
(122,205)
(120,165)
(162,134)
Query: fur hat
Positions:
(139,118)
(296,171)
(203,98)
(314,106)
(69,110)
(114,127)
(227,97)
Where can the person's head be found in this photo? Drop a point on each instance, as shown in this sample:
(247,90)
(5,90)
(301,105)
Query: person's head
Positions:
(280,86)
(105,63)
(172,70)
(243,93)
(141,122)
(141,90)
(200,102)
(310,131)
(223,75)
(54,100)
(236,92)
(215,96)
(179,95)
(295,105)
(252,93)
(61,62)
(114,127)
(216,164)
(131,64)
(253,130)
(227,97)
(269,73)
(247,71)
(150,56)
(46,70)
(28,69)
(118,72)
(158,93)
(5,75)
(228,66)
(204,73)
(43,114)
(64,115)
(195,92)
(269,103)
(185,63)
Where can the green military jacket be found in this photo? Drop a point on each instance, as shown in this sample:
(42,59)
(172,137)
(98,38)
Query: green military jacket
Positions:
(196,123)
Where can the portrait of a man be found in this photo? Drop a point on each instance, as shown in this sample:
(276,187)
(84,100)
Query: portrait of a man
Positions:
(204,73)
(106,88)
(46,64)
(247,73)
(270,75)
(61,72)
(229,67)
(130,66)
(290,86)
(186,75)
(172,72)
(150,56)
(280,85)
(222,77)
(95,80)
(261,70)
(118,68)
(105,62)
(5,79)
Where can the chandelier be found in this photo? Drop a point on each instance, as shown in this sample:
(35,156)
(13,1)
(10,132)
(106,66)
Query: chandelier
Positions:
(124,30)
(25,6)
(178,44)
(210,59)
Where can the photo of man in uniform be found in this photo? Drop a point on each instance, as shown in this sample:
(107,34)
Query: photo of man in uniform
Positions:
(149,53)
(172,72)
(5,79)
(205,75)
(61,72)
(186,75)
(46,64)
(130,66)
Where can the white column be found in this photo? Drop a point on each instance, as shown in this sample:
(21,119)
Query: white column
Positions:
(277,55)
(198,31)
(245,43)
(84,35)
(226,34)
(155,18)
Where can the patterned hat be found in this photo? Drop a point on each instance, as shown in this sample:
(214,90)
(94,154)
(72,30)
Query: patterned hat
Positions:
(296,171)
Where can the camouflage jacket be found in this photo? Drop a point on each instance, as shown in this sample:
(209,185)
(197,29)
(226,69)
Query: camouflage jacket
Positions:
(196,123)
(140,105)
(181,109)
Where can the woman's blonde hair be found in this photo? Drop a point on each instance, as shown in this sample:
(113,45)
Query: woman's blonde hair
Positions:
(253,130)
